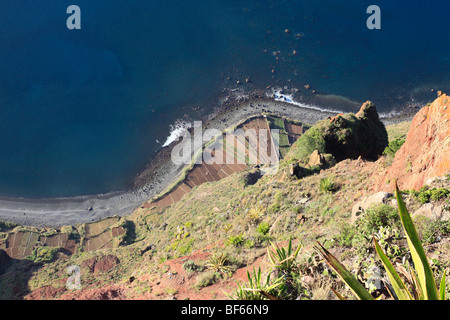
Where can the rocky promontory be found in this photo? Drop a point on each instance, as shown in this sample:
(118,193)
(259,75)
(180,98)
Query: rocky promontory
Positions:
(426,151)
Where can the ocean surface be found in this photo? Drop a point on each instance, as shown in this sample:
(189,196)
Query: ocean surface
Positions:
(82,111)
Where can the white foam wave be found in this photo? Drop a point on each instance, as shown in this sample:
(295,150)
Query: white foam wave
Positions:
(278,95)
(387,115)
(176,131)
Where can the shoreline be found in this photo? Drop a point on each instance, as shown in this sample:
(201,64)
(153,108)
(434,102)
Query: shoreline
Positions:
(159,173)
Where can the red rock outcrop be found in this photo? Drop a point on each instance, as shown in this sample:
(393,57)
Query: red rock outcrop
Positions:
(426,151)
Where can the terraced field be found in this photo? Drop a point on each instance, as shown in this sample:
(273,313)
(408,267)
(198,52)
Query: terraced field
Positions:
(92,236)
(100,235)
(251,143)
(294,131)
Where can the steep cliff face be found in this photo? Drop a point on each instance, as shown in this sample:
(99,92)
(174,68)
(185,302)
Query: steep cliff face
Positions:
(426,151)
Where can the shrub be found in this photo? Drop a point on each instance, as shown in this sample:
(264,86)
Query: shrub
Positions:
(380,219)
(186,246)
(379,216)
(263,228)
(424,197)
(256,212)
(250,244)
(312,140)
(236,241)
(207,278)
(394,146)
(327,185)
(219,263)
(283,259)
(43,254)
(430,230)
(286,285)
(438,194)
(424,194)
(191,267)
(274,207)
(258,289)
(345,237)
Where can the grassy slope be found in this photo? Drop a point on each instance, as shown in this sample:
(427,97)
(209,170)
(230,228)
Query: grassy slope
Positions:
(215,213)
(398,130)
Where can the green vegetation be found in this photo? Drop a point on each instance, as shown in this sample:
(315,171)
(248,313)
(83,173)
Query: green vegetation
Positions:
(396,136)
(207,278)
(283,141)
(327,185)
(283,259)
(236,241)
(393,147)
(255,213)
(312,139)
(258,289)
(345,136)
(43,254)
(422,285)
(263,228)
(238,223)
(431,230)
(398,130)
(286,284)
(4,225)
(424,194)
(219,263)
(382,220)
(191,267)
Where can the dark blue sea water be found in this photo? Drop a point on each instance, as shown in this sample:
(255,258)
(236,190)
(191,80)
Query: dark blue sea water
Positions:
(81,110)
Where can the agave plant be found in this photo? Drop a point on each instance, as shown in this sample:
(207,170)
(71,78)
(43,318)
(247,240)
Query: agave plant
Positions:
(218,263)
(327,185)
(422,280)
(258,289)
(283,259)
(256,212)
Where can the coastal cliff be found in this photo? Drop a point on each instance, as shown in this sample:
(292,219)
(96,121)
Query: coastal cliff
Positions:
(202,243)
(426,151)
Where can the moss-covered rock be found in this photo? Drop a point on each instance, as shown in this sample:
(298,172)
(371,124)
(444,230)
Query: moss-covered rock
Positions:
(345,136)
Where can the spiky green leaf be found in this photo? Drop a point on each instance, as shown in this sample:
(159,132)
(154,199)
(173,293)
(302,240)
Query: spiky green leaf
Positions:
(442,288)
(397,283)
(424,272)
(356,287)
